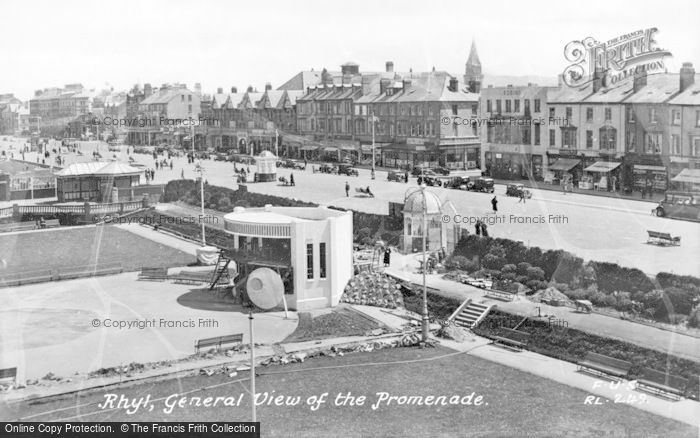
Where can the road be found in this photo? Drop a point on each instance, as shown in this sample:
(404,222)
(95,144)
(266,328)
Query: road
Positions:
(591,227)
(535,406)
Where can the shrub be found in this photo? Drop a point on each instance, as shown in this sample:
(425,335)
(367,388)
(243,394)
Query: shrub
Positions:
(492,261)
(509,268)
(224,204)
(535,273)
(694,318)
(679,300)
(523,267)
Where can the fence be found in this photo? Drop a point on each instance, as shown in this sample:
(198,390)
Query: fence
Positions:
(84,209)
(46,275)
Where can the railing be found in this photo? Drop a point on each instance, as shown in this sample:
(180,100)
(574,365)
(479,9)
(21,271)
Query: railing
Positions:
(119,207)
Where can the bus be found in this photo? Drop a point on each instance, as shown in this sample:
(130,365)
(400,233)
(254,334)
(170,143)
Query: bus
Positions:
(679,205)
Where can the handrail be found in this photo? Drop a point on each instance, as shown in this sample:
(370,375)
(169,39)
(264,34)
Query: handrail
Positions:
(459,309)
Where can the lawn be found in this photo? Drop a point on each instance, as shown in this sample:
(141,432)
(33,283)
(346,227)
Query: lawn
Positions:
(515,404)
(73,247)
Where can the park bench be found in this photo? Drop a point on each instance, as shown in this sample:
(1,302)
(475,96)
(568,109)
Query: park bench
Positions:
(658,238)
(512,338)
(8,374)
(604,365)
(52,223)
(191,277)
(500,295)
(218,341)
(18,226)
(660,383)
(157,274)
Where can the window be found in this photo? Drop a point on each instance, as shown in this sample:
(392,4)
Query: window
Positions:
(182,98)
(516,105)
(568,113)
(695,149)
(454,110)
(309,260)
(652,143)
(189,108)
(589,115)
(697,118)
(608,114)
(552,112)
(608,138)
(675,144)
(475,110)
(652,115)
(508,105)
(537,133)
(552,136)
(526,106)
(322,259)
(537,105)
(568,138)
(189,98)
(589,139)
(498,106)
(488,106)
(676,117)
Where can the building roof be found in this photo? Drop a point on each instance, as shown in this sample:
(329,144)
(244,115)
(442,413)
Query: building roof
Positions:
(281,215)
(99,168)
(691,96)
(218,100)
(419,200)
(234,99)
(165,96)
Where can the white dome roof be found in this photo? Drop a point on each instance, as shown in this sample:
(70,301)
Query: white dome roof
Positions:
(266,154)
(418,199)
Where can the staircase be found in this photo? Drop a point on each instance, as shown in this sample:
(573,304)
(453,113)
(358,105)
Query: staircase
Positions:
(470,314)
(220,276)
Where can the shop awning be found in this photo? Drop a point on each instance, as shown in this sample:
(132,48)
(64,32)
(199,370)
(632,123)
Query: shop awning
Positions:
(367,148)
(564,164)
(308,147)
(652,168)
(330,149)
(602,167)
(688,176)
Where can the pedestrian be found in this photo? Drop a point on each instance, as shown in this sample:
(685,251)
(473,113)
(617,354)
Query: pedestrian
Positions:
(291,179)
(494,204)
(478,227)
(372,173)
(387,257)
(522,197)
(484,231)
(182,174)
(347,189)
(171,164)
(305,163)
(420,180)
(405,176)
(156,164)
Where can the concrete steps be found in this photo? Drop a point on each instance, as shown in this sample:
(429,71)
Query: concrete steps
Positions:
(470,314)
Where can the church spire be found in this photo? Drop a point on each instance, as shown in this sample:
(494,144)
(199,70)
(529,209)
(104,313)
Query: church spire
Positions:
(472,71)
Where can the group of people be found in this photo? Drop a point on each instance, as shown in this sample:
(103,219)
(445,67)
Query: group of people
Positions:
(151,174)
(163,164)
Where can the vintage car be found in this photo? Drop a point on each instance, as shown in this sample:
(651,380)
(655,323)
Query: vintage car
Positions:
(456,182)
(441,170)
(481,184)
(396,176)
(430,180)
(347,170)
(221,157)
(518,190)
(327,168)
(679,205)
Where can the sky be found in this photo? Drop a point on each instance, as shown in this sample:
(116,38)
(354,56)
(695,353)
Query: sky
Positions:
(241,43)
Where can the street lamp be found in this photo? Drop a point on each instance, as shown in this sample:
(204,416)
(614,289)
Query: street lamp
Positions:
(374,119)
(426,321)
(199,168)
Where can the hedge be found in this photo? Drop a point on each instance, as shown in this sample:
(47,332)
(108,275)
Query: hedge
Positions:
(572,345)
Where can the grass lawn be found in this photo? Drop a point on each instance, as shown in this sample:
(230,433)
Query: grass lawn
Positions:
(517,404)
(341,321)
(72,247)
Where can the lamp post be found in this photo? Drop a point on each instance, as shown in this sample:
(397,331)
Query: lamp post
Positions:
(199,168)
(374,119)
(426,321)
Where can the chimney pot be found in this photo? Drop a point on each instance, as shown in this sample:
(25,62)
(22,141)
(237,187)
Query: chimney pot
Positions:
(219,90)
(687,76)
(268,86)
(234,90)
(389,66)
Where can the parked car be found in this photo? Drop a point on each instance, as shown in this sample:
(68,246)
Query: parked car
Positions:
(431,181)
(481,184)
(419,170)
(396,176)
(518,190)
(456,182)
(441,170)
(221,157)
(327,168)
(348,170)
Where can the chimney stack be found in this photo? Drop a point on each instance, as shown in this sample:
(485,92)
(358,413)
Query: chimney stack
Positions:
(268,86)
(383,85)
(640,80)
(454,84)
(687,76)
(250,89)
(234,90)
(407,84)
(389,66)
(598,79)
(220,90)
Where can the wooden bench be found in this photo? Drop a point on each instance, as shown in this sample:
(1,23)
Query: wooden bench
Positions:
(52,223)
(157,274)
(500,295)
(218,342)
(8,374)
(658,238)
(512,338)
(191,277)
(660,383)
(18,226)
(604,365)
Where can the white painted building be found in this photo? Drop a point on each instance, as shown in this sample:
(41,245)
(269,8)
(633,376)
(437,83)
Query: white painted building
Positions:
(310,247)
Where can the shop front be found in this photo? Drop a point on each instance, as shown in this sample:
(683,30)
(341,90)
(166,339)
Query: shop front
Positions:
(560,169)
(513,166)
(688,180)
(601,175)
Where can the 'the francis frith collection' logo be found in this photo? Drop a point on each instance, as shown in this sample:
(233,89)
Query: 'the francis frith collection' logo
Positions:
(614,60)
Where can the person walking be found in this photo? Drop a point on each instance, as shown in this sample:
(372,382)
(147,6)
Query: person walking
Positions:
(347,189)
(494,204)
(478,227)
(182,174)
(387,257)
(522,197)
(171,164)
(406,177)
(484,230)
(291,179)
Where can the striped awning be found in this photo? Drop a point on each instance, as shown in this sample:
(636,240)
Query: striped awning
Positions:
(688,176)
(564,164)
(602,167)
